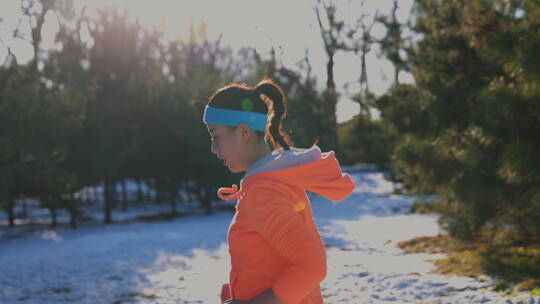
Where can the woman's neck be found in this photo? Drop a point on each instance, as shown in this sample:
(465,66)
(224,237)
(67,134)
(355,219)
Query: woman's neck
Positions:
(259,151)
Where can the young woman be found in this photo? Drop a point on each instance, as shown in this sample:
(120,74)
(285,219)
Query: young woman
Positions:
(277,255)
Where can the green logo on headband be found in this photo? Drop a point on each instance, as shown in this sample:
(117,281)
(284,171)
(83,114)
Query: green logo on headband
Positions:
(247,104)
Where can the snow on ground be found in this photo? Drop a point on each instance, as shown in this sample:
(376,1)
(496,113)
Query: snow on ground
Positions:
(186,261)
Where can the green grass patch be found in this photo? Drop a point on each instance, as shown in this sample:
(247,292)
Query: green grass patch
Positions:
(516,268)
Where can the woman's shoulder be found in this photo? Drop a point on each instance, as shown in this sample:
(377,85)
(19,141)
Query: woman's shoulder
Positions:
(264,196)
(268,186)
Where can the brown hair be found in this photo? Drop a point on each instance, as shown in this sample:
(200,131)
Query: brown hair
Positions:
(232,97)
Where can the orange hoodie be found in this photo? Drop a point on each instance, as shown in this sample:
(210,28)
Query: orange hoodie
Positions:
(273,240)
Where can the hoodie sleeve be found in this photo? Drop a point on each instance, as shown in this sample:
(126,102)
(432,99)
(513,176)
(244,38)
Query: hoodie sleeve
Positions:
(273,215)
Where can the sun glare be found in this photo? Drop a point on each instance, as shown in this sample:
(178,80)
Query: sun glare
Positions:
(289,27)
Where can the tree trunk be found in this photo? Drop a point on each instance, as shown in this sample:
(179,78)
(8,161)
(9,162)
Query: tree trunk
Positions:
(114,196)
(72,207)
(330,85)
(107,203)
(139,190)
(364,85)
(72,220)
(396,37)
(53,216)
(11,212)
(124,195)
(329,135)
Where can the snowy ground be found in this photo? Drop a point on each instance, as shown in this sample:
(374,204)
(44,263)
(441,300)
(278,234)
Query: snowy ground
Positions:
(185,260)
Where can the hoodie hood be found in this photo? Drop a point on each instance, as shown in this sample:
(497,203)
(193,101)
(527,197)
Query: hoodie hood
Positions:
(308,169)
(284,159)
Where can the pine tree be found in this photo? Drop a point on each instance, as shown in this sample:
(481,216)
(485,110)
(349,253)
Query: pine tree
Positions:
(478,81)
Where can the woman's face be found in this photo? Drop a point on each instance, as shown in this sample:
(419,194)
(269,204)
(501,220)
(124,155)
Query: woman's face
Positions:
(229,146)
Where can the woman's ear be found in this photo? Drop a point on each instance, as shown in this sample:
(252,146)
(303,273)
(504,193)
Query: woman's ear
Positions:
(245,131)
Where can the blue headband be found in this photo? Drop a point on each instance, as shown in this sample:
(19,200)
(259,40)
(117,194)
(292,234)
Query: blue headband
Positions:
(256,121)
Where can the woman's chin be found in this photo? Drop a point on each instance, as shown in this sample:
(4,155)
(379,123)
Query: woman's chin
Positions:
(233,169)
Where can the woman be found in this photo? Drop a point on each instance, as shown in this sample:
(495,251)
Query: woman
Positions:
(277,255)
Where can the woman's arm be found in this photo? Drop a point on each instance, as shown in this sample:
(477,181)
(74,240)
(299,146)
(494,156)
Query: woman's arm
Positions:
(272,214)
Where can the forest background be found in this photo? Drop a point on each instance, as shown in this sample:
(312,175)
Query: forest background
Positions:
(113,101)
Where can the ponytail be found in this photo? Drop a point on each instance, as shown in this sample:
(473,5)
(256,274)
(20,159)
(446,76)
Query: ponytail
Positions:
(274,92)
